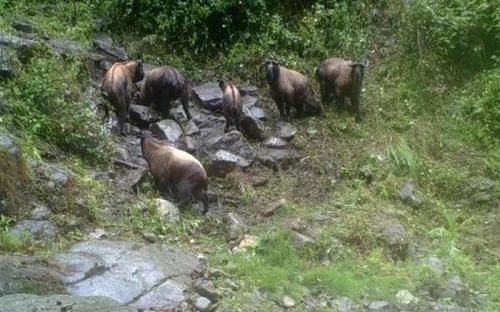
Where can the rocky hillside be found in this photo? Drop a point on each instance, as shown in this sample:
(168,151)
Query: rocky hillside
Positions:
(397,213)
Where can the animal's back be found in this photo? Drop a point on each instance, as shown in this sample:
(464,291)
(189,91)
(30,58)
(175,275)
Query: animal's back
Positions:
(116,83)
(231,99)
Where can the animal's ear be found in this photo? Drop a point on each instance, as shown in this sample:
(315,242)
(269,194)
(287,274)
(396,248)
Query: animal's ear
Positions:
(365,64)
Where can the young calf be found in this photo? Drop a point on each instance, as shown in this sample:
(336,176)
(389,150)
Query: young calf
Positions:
(176,171)
(231,104)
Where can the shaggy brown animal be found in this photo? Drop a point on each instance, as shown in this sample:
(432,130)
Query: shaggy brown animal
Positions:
(118,86)
(163,85)
(290,88)
(176,171)
(231,104)
(343,78)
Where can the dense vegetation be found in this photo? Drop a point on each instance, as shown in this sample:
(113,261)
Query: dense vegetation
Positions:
(431,104)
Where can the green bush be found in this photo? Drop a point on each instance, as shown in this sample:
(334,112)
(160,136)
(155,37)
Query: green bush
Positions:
(465,34)
(480,105)
(46,102)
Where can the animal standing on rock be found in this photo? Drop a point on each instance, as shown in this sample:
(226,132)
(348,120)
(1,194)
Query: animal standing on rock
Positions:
(290,88)
(176,171)
(231,104)
(163,85)
(343,78)
(119,87)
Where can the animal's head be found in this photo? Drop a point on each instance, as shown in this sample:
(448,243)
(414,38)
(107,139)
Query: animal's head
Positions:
(136,69)
(222,84)
(357,71)
(272,70)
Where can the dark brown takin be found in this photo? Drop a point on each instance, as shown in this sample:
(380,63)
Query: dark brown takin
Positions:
(176,172)
(341,78)
(231,104)
(162,86)
(289,89)
(118,86)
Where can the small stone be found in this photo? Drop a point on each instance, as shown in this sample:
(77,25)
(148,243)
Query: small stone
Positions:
(246,242)
(344,304)
(65,46)
(286,130)
(302,239)
(167,210)
(207,289)
(105,44)
(98,234)
(404,297)
(140,116)
(236,226)
(202,304)
(436,264)
(379,306)
(408,195)
(275,142)
(41,212)
(22,26)
(274,208)
(149,237)
(288,302)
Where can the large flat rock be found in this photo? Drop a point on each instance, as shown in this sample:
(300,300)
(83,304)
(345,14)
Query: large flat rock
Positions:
(133,273)
(58,303)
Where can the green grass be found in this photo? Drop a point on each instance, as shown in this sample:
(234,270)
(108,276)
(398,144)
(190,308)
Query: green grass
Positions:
(10,242)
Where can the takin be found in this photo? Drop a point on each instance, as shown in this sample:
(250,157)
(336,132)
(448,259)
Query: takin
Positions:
(291,89)
(342,78)
(176,172)
(118,86)
(231,104)
(163,85)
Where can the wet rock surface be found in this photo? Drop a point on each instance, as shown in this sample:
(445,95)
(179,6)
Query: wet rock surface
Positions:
(60,303)
(168,130)
(209,96)
(141,275)
(40,229)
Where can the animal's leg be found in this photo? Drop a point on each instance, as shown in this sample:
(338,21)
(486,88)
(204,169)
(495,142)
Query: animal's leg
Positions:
(288,107)
(226,128)
(355,106)
(121,119)
(280,108)
(185,103)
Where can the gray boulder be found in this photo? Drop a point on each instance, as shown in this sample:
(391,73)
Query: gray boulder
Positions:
(53,175)
(209,96)
(138,274)
(391,232)
(9,40)
(140,116)
(382,306)
(202,304)
(105,45)
(65,46)
(277,158)
(248,90)
(223,162)
(41,212)
(8,145)
(60,303)
(233,142)
(168,130)
(22,26)
(44,230)
(6,70)
(189,127)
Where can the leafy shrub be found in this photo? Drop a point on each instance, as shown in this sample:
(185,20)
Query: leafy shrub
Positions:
(480,104)
(46,102)
(463,33)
